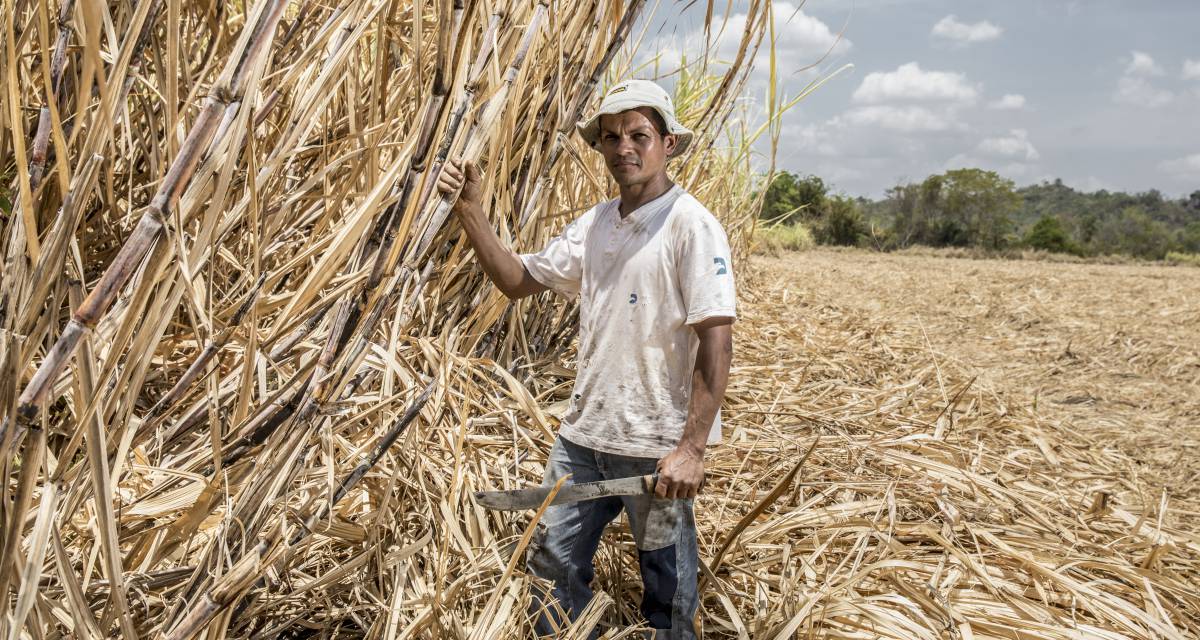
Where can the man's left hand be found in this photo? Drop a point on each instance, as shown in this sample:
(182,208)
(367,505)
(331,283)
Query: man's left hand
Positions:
(680,474)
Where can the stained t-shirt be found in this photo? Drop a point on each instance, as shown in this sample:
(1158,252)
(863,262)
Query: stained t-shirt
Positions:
(641,281)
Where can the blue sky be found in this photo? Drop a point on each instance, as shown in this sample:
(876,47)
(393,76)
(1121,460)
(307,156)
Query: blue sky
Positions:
(1100,93)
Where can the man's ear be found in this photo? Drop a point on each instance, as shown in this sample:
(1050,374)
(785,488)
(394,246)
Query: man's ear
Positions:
(669,142)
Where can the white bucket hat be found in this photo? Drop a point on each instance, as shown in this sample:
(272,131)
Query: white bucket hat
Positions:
(632,94)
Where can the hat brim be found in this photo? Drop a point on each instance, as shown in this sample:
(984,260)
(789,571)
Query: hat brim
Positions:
(589,129)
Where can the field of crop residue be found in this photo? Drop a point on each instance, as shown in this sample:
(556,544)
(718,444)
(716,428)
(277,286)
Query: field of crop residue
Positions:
(1006,449)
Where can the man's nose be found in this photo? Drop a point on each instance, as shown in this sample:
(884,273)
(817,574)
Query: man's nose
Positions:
(624,144)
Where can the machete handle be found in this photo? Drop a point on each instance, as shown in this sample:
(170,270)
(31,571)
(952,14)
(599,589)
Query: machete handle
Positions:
(651,482)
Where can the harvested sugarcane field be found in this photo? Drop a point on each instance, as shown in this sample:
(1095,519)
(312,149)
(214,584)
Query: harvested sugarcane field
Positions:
(255,368)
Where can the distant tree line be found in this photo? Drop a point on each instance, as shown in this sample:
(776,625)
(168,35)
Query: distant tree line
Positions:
(977,208)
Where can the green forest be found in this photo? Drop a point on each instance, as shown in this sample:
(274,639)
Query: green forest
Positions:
(981,209)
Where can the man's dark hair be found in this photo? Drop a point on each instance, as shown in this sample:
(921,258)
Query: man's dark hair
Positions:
(660,124)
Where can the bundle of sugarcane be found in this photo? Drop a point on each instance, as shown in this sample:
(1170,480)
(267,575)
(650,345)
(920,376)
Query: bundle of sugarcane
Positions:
(250,370)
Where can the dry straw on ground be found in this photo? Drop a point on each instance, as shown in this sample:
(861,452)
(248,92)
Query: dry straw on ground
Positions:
(251,374)
(961,488)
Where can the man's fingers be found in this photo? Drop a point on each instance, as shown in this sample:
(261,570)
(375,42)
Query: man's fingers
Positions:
(676,489)
(452,171)
(448,183)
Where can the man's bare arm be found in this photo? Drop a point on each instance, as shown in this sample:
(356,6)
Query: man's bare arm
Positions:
(499,262)
(681,472)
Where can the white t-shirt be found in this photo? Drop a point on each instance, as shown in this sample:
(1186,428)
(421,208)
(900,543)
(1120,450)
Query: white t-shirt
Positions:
(641,282)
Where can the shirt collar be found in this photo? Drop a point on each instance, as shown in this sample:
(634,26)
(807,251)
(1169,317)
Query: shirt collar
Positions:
(646,210)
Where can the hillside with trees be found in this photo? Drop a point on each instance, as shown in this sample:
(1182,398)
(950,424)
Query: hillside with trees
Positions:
(981,209)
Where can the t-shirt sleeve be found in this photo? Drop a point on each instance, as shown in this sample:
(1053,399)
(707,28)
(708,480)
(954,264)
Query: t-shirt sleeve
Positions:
(705,268)
(559,265)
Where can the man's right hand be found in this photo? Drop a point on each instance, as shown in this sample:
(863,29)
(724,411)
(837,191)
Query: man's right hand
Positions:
(464,179)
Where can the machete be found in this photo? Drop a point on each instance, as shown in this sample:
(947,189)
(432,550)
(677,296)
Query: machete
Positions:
(518,499)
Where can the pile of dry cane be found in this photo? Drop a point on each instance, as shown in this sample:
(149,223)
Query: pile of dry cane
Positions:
(249,371)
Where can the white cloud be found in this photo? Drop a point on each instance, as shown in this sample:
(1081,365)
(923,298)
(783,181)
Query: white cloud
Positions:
(1134,86)
(1092,184)
(1015,145)
(962,161)
(1013,169)
(1191,69)
(902,118)
(812,138)
(800,40)
(1017,170)
(1185,168)
(1142,64)
(1138,91)
(910,82)
(906,118)
(963,33)
(1010,102)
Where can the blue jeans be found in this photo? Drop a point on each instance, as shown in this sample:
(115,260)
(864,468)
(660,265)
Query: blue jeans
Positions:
(568,534)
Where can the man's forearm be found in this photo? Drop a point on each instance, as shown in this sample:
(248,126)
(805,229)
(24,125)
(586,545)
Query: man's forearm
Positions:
(681,472)
(499,262)
(709,379)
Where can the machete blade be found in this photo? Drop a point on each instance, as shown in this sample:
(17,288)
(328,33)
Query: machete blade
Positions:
(519,499)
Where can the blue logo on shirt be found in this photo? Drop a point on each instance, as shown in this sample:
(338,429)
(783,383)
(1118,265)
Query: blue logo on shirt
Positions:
(720,262)
(633,298)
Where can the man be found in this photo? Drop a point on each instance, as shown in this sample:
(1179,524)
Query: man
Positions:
(653,273)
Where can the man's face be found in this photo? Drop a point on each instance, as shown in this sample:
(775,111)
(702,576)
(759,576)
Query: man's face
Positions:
(633,149)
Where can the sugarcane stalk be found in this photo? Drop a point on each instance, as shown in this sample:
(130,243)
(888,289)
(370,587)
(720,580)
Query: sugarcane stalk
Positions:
(210,350)
(540,127)
(329,383)
(485,121)
(31,462)
(42,138)
(266,421)
(141,241)
(230,587)
(143,22)
(470,87)
(55,250)
(392,217)
(576,111)
(97,450)
(229,89)
(406,315)
(283,348)
(129,64)
(194,416)
(352,306)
